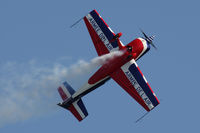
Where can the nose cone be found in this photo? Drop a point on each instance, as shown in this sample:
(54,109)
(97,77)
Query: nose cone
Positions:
(151,38)
(150,41)
(148,46)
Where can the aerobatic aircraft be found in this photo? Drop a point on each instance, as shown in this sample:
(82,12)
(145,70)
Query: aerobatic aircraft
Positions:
(122,69)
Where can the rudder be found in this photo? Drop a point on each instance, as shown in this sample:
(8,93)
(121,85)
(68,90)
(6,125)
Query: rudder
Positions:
(65,91)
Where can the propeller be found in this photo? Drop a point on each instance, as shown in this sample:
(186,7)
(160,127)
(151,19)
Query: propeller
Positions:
(149,39)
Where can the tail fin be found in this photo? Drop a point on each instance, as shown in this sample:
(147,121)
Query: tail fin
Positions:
(65,91)
(76,107)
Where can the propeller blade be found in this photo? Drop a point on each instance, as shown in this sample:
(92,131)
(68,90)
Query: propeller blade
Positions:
(149,39)
(153,45)
(143,33)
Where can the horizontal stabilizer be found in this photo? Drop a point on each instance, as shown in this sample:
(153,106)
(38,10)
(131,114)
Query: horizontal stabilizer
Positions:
(78,110)
(76,107)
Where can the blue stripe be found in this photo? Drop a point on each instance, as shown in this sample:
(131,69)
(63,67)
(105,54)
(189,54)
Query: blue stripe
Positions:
(104,28)
(82,107)
(114,44)
(135,72)
(69,88)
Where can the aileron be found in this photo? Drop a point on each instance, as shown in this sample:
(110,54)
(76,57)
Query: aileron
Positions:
(138,83)
(117,63)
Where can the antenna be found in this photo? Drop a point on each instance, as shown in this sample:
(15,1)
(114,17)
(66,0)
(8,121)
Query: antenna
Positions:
(141,117)
(76,23)
(145,114)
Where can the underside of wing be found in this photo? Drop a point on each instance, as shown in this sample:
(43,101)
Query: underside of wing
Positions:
(100,33)
(130,78)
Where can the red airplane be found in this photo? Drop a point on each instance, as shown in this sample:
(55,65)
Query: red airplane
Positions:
(122,69)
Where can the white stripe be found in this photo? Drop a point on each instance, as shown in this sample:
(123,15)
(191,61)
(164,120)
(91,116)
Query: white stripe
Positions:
(136,64)
(110,29)
(136,85)
(115,49)
(144,42)
(85,87)
(122,43)
(78,109)
(66,91)
(99,32)
(145,79)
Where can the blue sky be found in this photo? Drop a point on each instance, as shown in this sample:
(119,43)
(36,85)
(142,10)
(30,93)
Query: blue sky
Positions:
(39,31)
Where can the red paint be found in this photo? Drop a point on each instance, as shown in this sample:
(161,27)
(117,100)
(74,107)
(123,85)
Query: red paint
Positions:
(99,45)
(137,47)
(140,71)
(108,68)
(119,34)
(124,82)
(101,18)
(112,66)
(153,92)
(104,22)
(75,112)
(115,63)
(62,94)
(116,37)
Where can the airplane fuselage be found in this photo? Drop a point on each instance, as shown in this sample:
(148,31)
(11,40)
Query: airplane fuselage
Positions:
(133,50)
(117,62)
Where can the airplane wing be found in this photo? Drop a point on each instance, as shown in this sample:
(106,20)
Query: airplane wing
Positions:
(131,79)
(100,33)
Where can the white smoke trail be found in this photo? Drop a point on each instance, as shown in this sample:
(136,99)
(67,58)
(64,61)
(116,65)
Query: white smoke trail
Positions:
(85,67)
(28,89)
